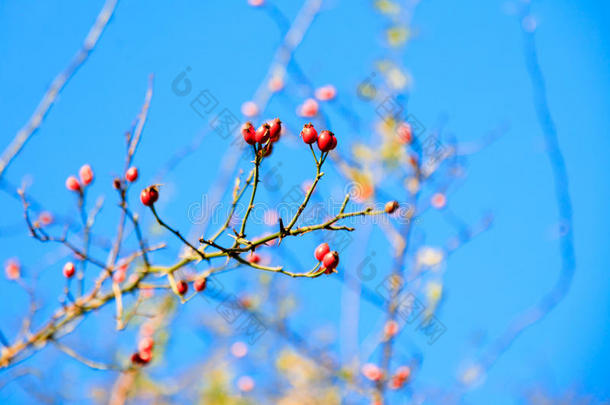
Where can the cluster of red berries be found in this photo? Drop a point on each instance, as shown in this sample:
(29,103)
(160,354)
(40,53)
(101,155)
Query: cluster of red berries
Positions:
(326,140)
(144,354)
(199,285)
(86,177)
(267,134)
(330,260)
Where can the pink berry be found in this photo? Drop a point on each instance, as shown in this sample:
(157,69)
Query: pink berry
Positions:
(309,108)
(132,174)
(331,260)
(245,383)
(239,349)
(372,372)
(438,200)
(69,270)
(72,184)
(249,109)
(309,134)
(276,84)
(86,175)
(326,93)
(321,251)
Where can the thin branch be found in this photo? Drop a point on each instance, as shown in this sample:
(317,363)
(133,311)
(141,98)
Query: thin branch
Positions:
(89,363)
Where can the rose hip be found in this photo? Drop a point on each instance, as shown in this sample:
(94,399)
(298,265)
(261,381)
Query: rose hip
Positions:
(321,251)
(309,134)
(132,174)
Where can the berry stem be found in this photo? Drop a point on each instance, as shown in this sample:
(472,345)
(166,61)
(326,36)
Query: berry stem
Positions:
(257,162)
(237,197)
(319,175)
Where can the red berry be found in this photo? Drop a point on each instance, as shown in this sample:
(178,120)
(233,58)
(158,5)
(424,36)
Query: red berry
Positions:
(254,258)
(331,260)
(86,175)
(309,134)
(321,251)
(275,130)
(262,133)
(182,287)
(146,344)
(69,270)
(326,142)
(149,196)
(72,184)
(248,132)
(132,174)
(200,284)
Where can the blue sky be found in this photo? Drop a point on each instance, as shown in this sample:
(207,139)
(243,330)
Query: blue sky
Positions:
(468,68)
